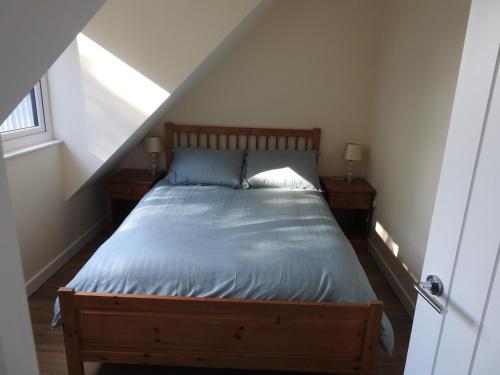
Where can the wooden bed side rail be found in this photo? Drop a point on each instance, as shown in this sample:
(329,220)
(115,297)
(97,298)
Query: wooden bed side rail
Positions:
(220,333)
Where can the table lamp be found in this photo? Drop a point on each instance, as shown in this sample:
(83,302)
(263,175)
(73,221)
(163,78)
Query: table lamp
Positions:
(154,146)
(352,152)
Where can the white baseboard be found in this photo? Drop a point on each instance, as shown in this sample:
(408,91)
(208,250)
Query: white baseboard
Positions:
(399,279)
(33,284)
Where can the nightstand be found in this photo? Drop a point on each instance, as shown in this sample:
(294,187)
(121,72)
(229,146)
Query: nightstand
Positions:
(126,188)
(351,203)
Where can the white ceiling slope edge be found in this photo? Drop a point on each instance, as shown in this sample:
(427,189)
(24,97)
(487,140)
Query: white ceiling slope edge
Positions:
(126,78)
(33,34)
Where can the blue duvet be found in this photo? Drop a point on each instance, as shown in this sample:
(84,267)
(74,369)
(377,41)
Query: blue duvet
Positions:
(212,241)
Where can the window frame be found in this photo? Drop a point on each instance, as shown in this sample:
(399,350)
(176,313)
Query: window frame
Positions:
(18,139)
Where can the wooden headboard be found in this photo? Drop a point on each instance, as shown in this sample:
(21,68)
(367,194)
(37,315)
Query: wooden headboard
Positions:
(236,138)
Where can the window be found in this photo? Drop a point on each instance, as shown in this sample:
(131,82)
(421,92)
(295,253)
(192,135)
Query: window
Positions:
(27,124)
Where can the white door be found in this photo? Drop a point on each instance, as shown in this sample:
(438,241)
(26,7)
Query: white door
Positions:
(463,246)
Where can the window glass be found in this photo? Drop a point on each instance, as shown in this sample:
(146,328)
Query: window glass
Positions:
(25,116)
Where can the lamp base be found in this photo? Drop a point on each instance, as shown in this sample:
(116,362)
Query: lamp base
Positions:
(154,169)
(349,172)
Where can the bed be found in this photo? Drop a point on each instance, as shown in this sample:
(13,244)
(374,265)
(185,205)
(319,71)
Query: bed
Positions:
(212,276)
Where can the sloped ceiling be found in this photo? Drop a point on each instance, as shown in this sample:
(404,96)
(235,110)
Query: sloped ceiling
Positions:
(126,69)
(33,34)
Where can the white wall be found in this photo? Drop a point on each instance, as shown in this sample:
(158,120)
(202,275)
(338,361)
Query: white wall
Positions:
(47,225)
(17,348)
(32,34)
(417,69)
(129,62)
(305,64)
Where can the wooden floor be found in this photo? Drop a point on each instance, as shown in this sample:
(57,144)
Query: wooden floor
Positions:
(50,346)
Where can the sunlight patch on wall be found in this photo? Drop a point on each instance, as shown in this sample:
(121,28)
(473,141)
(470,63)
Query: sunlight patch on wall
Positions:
(122,80)
(415,278)
(393,246)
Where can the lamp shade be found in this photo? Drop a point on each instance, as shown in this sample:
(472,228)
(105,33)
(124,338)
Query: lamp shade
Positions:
(353,151)
(152,144)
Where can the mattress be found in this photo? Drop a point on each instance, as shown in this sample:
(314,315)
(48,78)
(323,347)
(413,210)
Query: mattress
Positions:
(213,241)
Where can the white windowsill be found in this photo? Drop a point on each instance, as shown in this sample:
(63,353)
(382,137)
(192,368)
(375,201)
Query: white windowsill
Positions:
(26,150)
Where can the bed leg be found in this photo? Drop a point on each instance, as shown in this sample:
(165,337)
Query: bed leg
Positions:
(371,337)
(70,331)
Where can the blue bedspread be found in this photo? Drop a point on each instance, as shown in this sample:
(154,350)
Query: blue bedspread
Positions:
(212,241)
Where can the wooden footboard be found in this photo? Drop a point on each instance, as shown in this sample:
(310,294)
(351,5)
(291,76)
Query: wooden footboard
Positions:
(221,333)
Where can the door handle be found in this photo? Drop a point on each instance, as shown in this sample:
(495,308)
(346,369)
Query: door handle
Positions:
(432,286)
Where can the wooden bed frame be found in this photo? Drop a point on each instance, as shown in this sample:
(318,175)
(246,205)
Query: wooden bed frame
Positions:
(221,332)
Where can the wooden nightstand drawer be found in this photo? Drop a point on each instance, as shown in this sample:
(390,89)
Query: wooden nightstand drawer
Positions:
(126,188)
(350,201)
(128,191)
